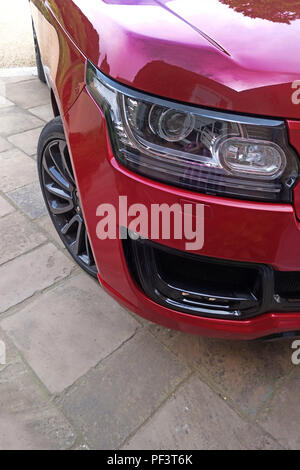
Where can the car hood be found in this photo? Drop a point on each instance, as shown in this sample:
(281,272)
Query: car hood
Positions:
(230,54)
(257,35)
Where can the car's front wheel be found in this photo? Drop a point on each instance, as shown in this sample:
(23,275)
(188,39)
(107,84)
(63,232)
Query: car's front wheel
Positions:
(61,194)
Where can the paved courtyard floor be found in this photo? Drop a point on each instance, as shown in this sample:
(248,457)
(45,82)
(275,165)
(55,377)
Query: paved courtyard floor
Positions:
(81,372)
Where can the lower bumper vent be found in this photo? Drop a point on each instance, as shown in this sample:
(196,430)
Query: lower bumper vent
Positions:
(210,287)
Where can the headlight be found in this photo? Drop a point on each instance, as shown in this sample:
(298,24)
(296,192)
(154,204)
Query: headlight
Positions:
(198,149)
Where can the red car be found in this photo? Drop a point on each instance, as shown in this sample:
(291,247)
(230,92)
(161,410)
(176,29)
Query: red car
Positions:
(186,103)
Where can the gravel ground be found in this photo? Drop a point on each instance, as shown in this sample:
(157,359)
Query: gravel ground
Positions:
(16,43)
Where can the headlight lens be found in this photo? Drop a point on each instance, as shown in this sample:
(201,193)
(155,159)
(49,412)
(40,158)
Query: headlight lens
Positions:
(255,157)
(201,150)
(169,124)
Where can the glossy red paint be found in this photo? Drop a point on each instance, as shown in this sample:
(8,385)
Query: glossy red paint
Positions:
(230,230)
(192,57)
(219,57)
(64,63)
(261,327)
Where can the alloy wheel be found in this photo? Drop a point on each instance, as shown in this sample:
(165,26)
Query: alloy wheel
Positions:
(64,205)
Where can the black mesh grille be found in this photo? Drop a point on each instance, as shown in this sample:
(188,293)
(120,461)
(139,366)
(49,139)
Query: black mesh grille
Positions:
(287,284)
(193,273)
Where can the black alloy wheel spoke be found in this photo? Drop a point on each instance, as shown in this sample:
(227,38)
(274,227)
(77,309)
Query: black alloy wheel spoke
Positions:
(66,161)
(59,192)
(58,208)
(69,226)
(54,173)
(56,150)
(63,202)
(78,243)
(90,258)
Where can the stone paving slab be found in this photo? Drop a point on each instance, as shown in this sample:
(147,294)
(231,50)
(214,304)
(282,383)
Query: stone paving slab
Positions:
(26,141)
(17,170)
(246,372)
(4,144)
(29,95)
(282,417)
(6,76)
(30,200)
(114,399)
(17,236)
(28,419)
(45,223)
(5,103)
(194,417)
(44,112)
(31,273)
(5,207)
(13,121)
(69,330)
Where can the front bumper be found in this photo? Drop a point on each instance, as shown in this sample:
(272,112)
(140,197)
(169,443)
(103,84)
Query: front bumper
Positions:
(244,232)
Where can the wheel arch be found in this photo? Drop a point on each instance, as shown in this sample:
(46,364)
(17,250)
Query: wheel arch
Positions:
(54,104)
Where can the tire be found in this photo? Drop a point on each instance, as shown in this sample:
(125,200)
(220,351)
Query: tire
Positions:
(61,196)
(39,64)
